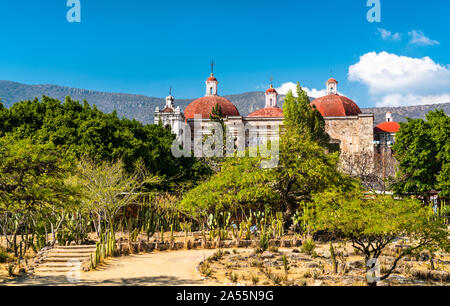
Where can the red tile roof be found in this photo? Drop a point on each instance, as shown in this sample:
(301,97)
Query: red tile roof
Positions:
(268,112)
(204,106)
(336,106)
(387,127)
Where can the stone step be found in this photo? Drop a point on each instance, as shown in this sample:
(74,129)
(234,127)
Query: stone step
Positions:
(60,265)
(55,270)
(71,251)
(66,259)
(49,256)
(74,248)
(88,246)
(63,259)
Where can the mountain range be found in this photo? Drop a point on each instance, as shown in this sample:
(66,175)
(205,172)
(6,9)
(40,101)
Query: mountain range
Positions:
(142,107)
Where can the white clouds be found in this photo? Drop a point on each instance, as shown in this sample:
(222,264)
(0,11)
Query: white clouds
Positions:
(386,35)
(418,38)
(410,100)
(314,93)
(395,80)
(390,73)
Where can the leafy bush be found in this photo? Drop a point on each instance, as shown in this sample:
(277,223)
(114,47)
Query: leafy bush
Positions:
(4,256)
(308,246)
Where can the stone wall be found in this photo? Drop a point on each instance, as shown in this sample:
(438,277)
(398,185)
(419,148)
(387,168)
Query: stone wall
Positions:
(353,133)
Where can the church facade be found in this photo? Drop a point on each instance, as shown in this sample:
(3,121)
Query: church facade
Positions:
(344,121)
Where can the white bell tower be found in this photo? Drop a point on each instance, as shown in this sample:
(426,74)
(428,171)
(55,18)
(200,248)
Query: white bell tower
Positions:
(271,97)
(389,117)
(332,86)
(211,83)
(170,100)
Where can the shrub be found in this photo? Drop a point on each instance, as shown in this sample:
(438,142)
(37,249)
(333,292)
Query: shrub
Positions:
(258,250)
(11,268)
(234,277)
(205,269)
(309,246)
(217,255)
(255,279)
(276,278)
(4,256)
(273,249)
(256,263)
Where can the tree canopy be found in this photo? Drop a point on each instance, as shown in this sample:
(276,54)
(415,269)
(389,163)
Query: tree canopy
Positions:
(372,223)
(422,148)
(240,184)
(300,116)
(82,130)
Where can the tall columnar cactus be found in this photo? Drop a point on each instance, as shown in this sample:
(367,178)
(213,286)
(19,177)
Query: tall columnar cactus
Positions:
(333,258)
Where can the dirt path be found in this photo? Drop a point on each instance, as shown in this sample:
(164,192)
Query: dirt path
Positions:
(176,268)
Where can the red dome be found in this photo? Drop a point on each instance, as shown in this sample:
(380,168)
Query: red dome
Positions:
(211,78)
(268,112)
(167,110)
(271,89)
(331,81)
(205,105)
(336,106)
(387,127)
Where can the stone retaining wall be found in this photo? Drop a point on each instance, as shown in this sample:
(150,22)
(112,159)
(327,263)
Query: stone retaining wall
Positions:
(143,246)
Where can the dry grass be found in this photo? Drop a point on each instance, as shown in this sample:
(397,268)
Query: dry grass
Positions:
(305,270)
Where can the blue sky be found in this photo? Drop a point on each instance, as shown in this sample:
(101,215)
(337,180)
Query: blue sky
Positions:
(144,47)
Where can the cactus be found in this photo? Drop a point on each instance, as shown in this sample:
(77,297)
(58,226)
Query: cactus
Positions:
(333,258)
(161,235)
(172,237)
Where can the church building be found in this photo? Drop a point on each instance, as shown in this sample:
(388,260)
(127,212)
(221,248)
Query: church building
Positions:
(344,121)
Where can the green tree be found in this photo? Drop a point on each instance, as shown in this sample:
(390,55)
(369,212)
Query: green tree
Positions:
(85,131)
(299,116)
(107,188)
(371,224)
(32,183)
(305,169)
(241,184)
(422,148)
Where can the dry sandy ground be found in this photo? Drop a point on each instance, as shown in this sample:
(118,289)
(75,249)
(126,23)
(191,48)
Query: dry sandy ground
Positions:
(176,268)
